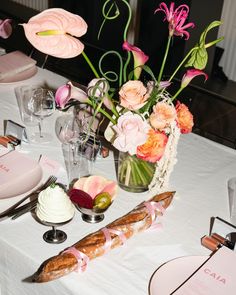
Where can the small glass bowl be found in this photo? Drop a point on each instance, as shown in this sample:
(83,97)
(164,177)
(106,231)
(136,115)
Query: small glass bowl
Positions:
(92,215)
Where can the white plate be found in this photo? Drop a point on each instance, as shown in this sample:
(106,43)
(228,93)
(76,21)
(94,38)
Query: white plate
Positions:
(20,76)
(173,273)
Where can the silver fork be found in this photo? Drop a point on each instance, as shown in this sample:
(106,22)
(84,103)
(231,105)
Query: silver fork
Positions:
(50,180)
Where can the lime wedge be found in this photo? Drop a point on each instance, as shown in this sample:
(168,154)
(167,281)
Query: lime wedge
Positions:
(102,200)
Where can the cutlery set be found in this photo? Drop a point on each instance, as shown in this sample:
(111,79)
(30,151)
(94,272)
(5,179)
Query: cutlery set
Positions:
(16,210)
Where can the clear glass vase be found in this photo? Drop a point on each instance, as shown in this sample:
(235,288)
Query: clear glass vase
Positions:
(134,174)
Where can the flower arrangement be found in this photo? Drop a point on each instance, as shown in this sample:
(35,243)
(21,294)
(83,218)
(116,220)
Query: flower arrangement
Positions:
(144,119)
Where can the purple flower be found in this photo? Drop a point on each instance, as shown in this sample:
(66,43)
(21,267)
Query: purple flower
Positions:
(5,28)
(176,19)
(67,92)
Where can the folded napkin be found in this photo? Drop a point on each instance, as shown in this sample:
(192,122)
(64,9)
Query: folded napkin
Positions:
(14,63)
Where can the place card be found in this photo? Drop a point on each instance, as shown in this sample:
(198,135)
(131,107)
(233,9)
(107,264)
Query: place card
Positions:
(215,276)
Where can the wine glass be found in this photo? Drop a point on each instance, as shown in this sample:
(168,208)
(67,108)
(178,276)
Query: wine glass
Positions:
(41,105)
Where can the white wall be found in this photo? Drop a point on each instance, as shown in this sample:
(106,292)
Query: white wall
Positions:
(228,30)
(35,4)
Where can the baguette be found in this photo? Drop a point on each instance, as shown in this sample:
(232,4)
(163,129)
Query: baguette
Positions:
(97,243)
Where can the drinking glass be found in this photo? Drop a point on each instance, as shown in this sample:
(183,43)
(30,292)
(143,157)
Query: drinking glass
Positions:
(80,147)
(41,105)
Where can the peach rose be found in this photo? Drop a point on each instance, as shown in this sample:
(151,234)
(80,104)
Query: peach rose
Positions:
(153,149)
(184,118)
(133,95)
(163,114)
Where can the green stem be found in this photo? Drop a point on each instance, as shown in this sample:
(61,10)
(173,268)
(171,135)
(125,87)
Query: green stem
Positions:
(90,64)
(125,38)
(164,59)
(182,62)
(102,111)
(177,93)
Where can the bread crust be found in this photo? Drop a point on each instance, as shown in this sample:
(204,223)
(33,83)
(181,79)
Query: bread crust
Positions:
(137,220)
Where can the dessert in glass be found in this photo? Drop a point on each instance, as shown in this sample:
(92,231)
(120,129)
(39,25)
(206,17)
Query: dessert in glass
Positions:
(92,196)
(54,208)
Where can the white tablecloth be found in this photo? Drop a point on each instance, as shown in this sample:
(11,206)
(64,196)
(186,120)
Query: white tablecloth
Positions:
(199,179)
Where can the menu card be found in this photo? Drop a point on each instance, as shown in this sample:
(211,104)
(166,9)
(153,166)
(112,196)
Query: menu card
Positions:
(216,276)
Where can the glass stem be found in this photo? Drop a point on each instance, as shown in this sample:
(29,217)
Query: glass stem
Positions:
(40,127)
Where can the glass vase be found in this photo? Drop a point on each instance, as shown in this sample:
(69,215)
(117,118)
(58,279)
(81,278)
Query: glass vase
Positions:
(134,174)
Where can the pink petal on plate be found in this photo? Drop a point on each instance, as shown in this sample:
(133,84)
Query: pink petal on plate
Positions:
(111,188)
(63,45)
(94,185)
(79,184)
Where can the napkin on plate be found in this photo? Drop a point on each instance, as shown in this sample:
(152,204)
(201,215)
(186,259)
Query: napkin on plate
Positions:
(14,63)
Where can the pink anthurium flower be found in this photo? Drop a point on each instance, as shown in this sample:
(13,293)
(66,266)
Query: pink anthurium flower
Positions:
(52,31)
(5,28)
(176,19)
(140,58)
(67,92)
(189,75)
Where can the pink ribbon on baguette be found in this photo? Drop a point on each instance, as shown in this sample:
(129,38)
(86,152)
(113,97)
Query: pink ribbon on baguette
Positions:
(107,233)
(152,207)
(82,259)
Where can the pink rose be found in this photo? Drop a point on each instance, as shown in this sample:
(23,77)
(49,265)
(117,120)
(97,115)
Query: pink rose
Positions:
(133,95)
(163,114)
(131,131)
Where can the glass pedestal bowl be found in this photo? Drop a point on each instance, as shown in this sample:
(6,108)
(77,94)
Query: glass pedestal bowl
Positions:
(94,215)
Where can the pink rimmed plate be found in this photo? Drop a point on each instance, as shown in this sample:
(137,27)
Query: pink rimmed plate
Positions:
(20,76)
(173,273)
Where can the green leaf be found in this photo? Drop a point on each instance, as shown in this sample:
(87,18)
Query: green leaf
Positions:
(199,56)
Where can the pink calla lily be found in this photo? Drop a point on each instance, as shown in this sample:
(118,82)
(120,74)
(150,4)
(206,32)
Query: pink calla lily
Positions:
(52,31)
(140,58)
(69,91)
(190,74)
(5,28)
(176,19)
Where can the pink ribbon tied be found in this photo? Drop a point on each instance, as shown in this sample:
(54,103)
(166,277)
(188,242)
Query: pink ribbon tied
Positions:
(107,233)
(152,207)
(82,259)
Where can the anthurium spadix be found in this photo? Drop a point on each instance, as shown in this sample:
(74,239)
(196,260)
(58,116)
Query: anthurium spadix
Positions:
(52,32)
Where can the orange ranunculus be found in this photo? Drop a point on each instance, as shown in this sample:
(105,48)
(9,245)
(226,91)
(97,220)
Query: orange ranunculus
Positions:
(153,149)
(184,118)
(163,114)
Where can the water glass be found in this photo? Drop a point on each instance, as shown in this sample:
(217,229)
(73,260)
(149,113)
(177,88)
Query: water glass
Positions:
(232,199)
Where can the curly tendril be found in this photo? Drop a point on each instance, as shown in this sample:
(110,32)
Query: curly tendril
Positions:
(108,75)
(112,76)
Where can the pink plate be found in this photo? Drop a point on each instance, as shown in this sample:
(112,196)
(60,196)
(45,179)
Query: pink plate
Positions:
(173,273)
(20,76)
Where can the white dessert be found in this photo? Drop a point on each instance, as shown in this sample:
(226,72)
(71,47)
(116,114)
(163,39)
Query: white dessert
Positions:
(54,205)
